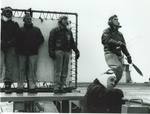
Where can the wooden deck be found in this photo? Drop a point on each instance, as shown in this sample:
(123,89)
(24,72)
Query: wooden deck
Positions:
(40,97)
(135,90)
(131,91)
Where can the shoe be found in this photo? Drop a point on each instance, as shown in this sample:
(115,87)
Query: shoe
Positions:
(68,89)
(19,90)
(8,89)
(63,91)
(59,91)
(32,90)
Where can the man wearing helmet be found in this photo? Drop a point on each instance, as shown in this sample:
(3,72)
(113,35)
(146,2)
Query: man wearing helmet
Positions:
(115,47)
(61,43)
(27,46)
(9,33)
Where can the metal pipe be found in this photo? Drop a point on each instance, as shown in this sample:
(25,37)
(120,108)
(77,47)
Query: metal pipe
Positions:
(76,62)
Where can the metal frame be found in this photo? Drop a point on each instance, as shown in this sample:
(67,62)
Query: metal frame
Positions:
(31,100)
(54,15)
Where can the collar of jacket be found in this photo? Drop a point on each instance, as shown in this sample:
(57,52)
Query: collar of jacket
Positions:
(28,26)
(112,29)
(9,21)
(61,27)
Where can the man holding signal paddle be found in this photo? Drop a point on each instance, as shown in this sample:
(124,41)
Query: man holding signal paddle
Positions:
(115,48)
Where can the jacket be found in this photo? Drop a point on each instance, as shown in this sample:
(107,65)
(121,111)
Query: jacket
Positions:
(110,38)
(29,40)
(9,33)
(61,39)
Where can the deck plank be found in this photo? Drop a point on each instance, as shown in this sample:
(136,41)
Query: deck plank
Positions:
(40,97)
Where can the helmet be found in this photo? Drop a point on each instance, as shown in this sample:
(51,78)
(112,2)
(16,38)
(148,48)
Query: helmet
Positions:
(7,12)
(110,20)
(27,17)
(61,18)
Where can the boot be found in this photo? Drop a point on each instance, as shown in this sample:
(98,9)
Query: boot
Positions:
(7,88)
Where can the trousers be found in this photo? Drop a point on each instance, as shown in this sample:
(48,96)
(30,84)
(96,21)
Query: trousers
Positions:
(116,63)
(2,66)
(10,62)
(61,68)
(27,69)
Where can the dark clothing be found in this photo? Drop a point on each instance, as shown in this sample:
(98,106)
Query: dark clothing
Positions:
(28,43)
(60,45)
(110,40)
(9,32)
(61,39)
(29,40)
(61,67)
(10,61)
(31,63)
(98,99)
(114,48)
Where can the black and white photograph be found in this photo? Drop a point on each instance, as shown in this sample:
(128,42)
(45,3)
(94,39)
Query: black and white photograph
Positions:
(75,56)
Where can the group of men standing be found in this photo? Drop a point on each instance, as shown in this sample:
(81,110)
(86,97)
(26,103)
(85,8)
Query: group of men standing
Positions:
(25,42)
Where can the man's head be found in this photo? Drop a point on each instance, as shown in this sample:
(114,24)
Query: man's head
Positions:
(111,82)
(27,19)
(113,21)
(7,13)
(63,21)
(107,79)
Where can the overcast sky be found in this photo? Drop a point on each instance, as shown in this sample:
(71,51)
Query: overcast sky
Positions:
(133,15)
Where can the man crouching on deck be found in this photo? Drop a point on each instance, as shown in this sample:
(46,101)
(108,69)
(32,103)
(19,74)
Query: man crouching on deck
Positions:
(102,97)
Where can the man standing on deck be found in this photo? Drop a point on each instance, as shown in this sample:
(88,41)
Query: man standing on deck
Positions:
(61,43)
(27,48)
(115,47)
(9,33)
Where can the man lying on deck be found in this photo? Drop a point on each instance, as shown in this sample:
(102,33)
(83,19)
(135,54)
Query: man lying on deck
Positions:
(102,97)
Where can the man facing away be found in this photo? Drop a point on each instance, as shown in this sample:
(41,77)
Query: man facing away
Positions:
(102,97)
(9,33)
(28,44)
(60,44)
(115,47)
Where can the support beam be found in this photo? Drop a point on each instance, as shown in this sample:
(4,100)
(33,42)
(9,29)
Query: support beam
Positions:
(40,97)
(28,97)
